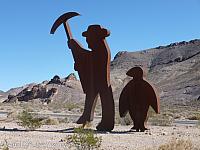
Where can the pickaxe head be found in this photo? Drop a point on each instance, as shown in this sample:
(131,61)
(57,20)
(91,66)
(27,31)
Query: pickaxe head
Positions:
(62,19)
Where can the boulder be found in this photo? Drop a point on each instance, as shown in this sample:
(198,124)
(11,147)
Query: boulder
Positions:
(55,80)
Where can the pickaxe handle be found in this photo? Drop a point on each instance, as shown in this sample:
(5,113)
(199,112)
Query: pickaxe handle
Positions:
(67,30)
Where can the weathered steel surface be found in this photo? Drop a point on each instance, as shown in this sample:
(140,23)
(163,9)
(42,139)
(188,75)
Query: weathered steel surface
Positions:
(94,71)
(93,68)
(136,97)
(63,20)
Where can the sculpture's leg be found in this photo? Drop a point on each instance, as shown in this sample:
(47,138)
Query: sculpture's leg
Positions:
(143,117)
(108,110)
(88,113)
(134,112)
(137,124)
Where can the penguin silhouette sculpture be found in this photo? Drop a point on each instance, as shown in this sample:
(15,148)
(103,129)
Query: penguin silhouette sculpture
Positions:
(136,97)
(93,68)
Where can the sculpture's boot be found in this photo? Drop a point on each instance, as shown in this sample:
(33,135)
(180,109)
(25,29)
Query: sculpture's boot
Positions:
(108,110)
(88,113)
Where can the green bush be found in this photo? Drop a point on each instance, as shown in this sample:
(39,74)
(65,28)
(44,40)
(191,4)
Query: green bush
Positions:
(28,121)
(84,139)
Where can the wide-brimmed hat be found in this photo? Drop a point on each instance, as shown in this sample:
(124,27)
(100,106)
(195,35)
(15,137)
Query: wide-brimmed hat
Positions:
(96,31)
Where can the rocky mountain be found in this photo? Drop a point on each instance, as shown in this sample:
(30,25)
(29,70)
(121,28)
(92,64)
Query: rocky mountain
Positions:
(66,89)
(174,69)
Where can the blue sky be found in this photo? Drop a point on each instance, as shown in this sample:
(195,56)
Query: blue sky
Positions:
(30,54)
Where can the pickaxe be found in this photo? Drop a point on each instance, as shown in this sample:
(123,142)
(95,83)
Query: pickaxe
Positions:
(63,20)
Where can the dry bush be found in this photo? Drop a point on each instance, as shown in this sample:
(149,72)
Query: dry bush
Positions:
(151,112)
(12,115)
(161,120)
(50,121)
(71,106)
(195,116)
(58,107)
(27,120)
(124,120)
(117,118)
(5,145)
(31,106)
(198,124)
(55,106)
(63,120)
(177,144)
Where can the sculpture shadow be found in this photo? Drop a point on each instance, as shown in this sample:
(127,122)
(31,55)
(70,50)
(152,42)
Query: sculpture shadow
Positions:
(68,130)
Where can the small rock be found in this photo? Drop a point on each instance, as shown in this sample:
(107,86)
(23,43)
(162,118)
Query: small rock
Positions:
(164,133)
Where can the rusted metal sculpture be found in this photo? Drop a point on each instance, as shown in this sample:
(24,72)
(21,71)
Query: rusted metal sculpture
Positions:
(136,97)
(93,68)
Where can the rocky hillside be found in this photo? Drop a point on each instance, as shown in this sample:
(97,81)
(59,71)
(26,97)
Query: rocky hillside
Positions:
(63,90)
(174,69)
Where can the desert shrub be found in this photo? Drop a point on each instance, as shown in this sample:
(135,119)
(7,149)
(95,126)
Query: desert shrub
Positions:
(177,144)
(63,120)
(55,106)
(50,121)
(126,120)
(58,107)
(195,116)
(117,118)
(151,112)
(198,123)
(161,120)
(28,121)
(84,139)
(5,145)
(12,115)
(71,106)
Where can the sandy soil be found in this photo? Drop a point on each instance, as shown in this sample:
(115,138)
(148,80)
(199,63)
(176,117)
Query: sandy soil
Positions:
(48,137)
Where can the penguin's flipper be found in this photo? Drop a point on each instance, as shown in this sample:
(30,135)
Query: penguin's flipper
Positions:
(153,97)
(123,102)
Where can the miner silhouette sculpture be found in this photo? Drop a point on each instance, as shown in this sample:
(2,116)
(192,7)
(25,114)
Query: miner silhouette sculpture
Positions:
(136,97)
(93,68)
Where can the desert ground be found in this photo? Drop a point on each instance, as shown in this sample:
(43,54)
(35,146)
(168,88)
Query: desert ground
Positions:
(51,137)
